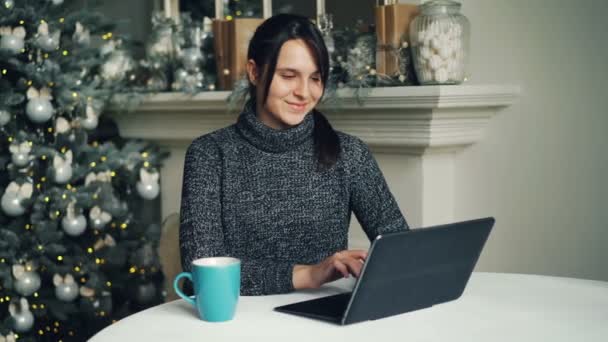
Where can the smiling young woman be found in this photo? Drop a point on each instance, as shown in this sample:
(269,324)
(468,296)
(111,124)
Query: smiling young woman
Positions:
(277,188)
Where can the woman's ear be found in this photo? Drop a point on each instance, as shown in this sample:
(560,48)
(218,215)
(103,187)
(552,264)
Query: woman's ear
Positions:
(252,72)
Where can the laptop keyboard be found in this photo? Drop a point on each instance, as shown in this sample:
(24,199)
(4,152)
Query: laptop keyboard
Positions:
(330,307)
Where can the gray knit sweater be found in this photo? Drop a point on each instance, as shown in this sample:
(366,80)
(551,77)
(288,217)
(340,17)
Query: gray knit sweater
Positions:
(252,192)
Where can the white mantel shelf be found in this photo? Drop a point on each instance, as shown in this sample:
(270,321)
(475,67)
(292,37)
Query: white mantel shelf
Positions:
(412,120)
(415,130)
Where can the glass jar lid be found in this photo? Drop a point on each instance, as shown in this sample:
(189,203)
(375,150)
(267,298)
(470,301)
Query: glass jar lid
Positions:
(440,7)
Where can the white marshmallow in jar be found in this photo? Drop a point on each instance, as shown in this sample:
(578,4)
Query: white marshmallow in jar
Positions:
(439,38)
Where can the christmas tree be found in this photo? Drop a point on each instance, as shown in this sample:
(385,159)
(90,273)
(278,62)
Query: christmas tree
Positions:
(75,253)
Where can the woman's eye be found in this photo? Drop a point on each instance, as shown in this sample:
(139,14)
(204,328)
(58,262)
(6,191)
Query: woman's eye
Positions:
(288,76)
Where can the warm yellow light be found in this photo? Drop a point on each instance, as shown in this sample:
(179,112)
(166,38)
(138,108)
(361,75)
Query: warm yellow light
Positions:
(42,306)
(123,226)
(133,269)
(74,94)
(10,139)
(40,247)
(61,20)
(59,257)
(144,155)
(77,269)
(64,196)
(93,164)
(21,22)
(146,164)
(40,332)
(35,294)
(4,71)
(27,226)
(103,158)
(65,52)
(108,283)
(90,250)
(43,157)
(50,129)
(97,261)
(43,179)
(29,83)
(69,186)
(113,174)
(46,199)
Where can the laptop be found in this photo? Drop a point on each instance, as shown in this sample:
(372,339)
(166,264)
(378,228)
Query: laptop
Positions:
(403,272)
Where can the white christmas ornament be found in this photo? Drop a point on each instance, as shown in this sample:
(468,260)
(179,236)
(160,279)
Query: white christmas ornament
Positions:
(63,167)
(62,125)
(12,38)
(117,65)
(39,108)
(10,337)
(81,35)
(148,187)
(5,117)
(26,282)
(66,288)
(99,218)
(73,224)
(107,241)
(47,41)
(12,197)
(57,2)
(23,319)
(9,4)
(102,176)
(20,153)
(91,121)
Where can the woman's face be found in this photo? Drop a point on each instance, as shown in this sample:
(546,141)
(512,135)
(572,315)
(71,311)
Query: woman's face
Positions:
(296,87)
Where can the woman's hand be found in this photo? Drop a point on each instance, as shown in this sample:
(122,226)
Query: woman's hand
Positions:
(341,264)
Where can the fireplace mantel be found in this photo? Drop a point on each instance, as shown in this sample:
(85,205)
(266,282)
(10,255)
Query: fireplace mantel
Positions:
(407,127)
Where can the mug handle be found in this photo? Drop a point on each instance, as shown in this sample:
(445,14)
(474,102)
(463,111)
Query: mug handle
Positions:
(178,291)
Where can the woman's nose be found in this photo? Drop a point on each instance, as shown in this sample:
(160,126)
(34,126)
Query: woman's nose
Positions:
(302,89)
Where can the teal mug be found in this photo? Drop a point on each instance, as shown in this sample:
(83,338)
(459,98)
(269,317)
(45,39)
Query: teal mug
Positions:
(217,284)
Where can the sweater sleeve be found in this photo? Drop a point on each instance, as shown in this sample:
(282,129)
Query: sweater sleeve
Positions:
(370,198)
(201,232)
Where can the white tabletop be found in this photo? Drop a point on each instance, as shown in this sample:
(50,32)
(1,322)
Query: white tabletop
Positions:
(494,307)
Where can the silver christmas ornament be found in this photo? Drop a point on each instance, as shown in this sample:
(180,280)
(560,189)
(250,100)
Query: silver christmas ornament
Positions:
(74,226)
(20,153)
(147,186)
(27,283)
(63,167)
(66,288)
(148,191)
(11,205)
(12,197)
(12,43)
(8,4)
(57,2)
(49,42)
(22,317)
(20,159)
(39,110)
(5,117)
(192,58)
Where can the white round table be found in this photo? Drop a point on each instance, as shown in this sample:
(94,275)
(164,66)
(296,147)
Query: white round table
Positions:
(494,307)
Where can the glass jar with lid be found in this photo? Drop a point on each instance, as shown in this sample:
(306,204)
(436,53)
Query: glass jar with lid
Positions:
(439,38)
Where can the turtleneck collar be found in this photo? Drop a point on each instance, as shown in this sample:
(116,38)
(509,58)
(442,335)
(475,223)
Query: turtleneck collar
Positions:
(269,139)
